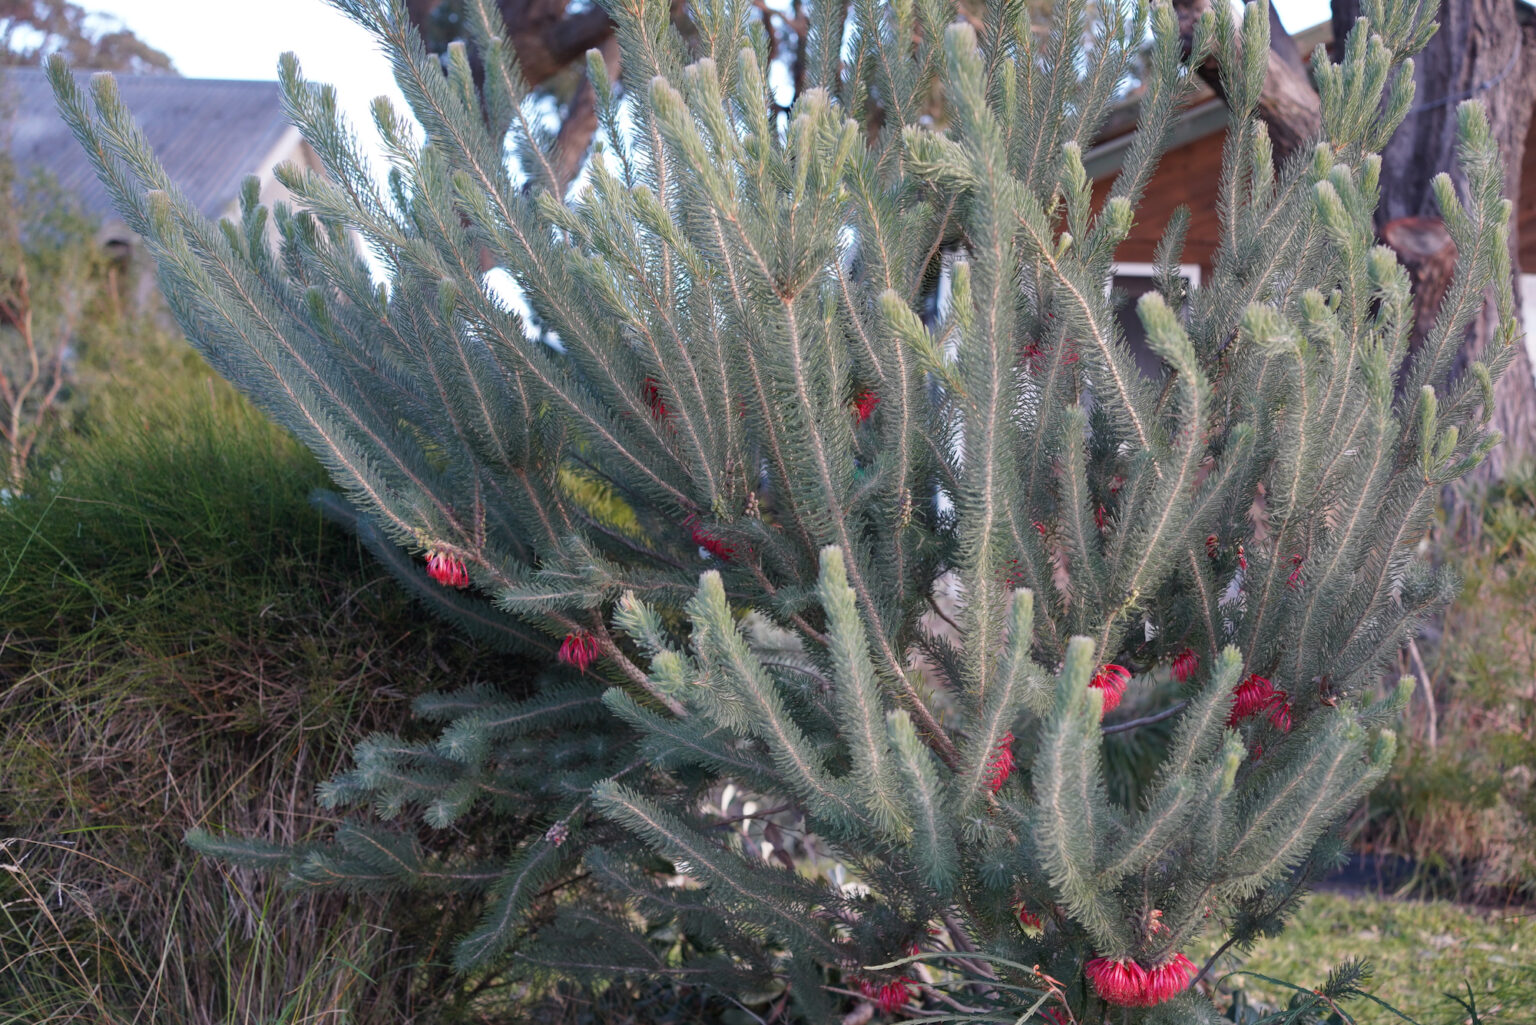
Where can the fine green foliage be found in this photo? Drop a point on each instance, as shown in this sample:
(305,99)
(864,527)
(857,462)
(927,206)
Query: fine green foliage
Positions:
(830,360)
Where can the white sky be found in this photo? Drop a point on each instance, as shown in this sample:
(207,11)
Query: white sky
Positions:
(239,39)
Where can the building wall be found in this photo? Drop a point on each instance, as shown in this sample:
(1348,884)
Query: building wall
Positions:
(1190,175)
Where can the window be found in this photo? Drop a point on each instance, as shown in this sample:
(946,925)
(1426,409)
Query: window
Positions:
(1129,282)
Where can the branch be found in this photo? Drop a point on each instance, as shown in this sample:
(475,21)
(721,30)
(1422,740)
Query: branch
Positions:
(1147,720)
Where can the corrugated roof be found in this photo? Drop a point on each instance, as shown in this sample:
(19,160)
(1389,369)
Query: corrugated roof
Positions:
(209,133)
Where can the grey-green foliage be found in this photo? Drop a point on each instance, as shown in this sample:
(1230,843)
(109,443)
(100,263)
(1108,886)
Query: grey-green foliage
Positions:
(833,358)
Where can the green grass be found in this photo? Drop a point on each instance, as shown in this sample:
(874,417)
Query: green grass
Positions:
(186,642)
(1419,950)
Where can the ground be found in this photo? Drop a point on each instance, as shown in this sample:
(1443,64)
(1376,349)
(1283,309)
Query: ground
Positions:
(1421,950)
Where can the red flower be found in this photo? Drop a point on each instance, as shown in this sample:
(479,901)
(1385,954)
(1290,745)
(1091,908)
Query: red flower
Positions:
(1184,665)
(447,570)
(1098,517)
(888,996)
(653,399)
(1280,712)
(864,405)
(1014,577)
(1000,765)
(1256,695)
(1029,919)
(578,649)
(1242,557)
(1033,354)
(1039,526)
(1119,982)
(1056,1016)
(710,542)
(1253,696)
(1111,679)
(1295,580)
(895,994)
(1128,984)
(1211,546)
(1167,980)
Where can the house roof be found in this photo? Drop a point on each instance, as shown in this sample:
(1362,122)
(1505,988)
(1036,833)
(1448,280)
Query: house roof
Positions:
(208,133)
(1205,114)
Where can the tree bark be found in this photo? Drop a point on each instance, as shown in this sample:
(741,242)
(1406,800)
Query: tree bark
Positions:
(545,37)
(1288,105)
(1485,49)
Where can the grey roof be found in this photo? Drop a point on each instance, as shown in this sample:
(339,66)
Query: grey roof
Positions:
(209,133)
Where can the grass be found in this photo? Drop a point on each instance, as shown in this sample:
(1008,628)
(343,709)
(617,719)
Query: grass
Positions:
(1420,950)
(186,642)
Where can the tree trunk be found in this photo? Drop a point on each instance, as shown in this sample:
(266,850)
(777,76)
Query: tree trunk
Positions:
(545,35)
(1485,49)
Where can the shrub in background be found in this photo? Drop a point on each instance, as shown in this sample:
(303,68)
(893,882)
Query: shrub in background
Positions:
(1462,801)
(822,358)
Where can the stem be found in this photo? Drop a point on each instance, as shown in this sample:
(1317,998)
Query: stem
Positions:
(1146,720)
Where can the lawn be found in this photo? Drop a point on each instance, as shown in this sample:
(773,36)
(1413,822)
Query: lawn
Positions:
(1421,950)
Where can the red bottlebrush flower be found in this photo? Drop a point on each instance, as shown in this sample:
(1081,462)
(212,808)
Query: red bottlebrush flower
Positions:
(447,570)
(1167,980)
(1098,517)
(1000,765)
(1013,577)
(1033,355)
(1056,1016)
(1257,695)
(1111,679)
(653,399)
(888,996)
(1280,712)
(1119,982)
(1253,696)
(1211,546)
(1295,580)
(1029,919)
(709,541)
(894,995)
(578,649)
(864,406)
(1184,665)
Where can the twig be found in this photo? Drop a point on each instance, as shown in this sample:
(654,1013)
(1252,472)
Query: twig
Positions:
(934,605)
(1146,720)
(1429,693)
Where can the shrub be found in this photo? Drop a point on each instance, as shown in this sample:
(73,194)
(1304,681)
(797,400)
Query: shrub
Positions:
(827,358)
(1462,802)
